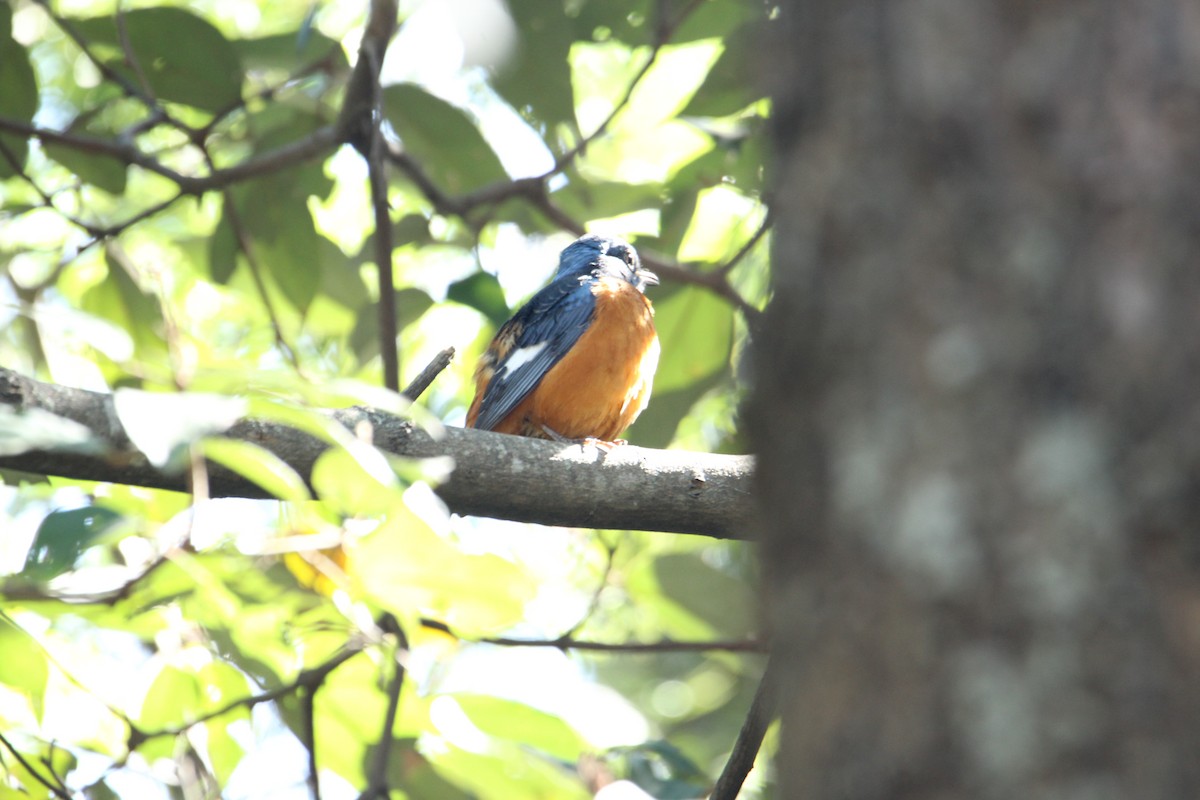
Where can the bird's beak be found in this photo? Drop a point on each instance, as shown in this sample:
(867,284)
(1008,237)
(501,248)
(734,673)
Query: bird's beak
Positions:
(647,278)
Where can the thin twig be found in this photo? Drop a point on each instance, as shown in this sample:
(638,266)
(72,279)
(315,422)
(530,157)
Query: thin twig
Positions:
(246,245)
(377,782)
(308,699)
(664,30)
(39,777)
(609,559)
(135,64)
(310,679)
(749,739)
(108,72)
(382,240)
(419,384)
(752,645)
(728,266)
(319,142)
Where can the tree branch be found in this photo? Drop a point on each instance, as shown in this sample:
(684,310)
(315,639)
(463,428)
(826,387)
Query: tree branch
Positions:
(377,778)
(749,739)
(39,777)
(496,475)
(317,143)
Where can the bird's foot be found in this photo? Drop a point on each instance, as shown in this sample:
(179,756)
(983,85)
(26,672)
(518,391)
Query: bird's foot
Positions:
(603,444)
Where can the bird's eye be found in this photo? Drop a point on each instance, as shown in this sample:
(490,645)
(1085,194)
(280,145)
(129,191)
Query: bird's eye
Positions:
(629,256)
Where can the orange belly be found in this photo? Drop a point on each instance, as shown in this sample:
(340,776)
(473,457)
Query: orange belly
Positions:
(601,385)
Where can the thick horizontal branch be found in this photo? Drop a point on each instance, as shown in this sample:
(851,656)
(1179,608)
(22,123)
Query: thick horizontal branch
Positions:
(501,476)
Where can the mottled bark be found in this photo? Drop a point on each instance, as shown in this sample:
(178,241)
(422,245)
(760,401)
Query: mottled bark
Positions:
(978,399)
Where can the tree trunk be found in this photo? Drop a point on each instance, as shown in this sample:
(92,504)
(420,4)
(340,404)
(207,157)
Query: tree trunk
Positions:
(978,399)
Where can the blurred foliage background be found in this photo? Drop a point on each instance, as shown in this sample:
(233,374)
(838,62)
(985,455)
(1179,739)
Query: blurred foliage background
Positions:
(155,644)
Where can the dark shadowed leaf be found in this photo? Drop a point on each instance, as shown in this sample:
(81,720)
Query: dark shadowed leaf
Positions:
(442,137)
(63,536)
(537,79)
(182,57)
(629,21)
(597,199)
(719,599)
(18,93)
(410,305)
(410,770)
(98,170)
(222,251)
(716,18)
(481,292)
(730,85)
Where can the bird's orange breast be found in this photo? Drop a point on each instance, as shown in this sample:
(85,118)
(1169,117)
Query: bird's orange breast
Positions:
(601,385)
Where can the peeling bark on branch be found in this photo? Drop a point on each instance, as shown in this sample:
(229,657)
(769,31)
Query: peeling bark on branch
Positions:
(507,477)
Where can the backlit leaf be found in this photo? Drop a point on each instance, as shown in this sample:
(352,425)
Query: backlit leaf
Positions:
(24,666)
(259,465)
(519,723)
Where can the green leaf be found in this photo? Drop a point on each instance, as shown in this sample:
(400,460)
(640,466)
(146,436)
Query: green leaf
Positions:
(290,52)
(664,772)
(63,536)
(259,465)
(280,228)
(182,57)
(222,251)
(420,780)
(175,697)
(343,483)
(99,170)
(406,567)
(583,199)
(696,331)
(536,81)
(506,771)
(18,87)
(716,19)
(628,21)
(443,138)
(121,301)
(24,666)
(722,601)
(519,723)
(225,753)
(481,292)
(731,83)
(288,256)
(410,305)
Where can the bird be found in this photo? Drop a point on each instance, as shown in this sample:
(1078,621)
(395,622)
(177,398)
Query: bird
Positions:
(576,363)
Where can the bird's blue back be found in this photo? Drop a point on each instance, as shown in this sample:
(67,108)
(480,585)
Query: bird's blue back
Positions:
(556,316)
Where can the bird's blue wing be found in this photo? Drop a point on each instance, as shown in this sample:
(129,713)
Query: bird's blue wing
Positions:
(544,330)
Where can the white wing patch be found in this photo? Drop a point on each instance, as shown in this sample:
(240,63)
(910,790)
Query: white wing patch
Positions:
(520,357)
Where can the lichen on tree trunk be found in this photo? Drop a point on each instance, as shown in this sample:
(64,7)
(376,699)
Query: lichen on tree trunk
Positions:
(978,401)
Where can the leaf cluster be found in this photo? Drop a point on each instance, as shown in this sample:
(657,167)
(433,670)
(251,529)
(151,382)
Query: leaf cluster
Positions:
(185,223)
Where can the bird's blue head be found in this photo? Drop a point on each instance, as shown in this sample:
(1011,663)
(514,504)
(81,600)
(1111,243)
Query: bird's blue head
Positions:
(592,254)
